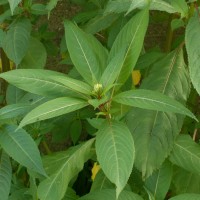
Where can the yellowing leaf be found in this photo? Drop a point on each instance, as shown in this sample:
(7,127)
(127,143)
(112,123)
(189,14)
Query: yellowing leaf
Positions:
(95,170)
(136,77)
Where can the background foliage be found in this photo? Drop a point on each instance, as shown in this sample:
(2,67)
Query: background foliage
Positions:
(125,111)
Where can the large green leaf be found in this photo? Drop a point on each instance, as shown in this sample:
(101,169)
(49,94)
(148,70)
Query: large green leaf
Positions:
(154,132)
(152,100)
(13,4)
(62,167)
(115,152)
(53,108)
(119,6)
(185,182)
(41,82)
(16,41)
(186,154)
(5,176)
(186,197)
(192,39)
(21,147)
(35,57)
(110,194)
(81,54)
(130,39)
(158,183)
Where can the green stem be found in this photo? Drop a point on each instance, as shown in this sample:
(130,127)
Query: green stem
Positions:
(45,145)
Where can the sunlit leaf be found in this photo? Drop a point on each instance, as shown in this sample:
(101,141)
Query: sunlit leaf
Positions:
(152,100)
(130,39)
(81,54)
(115,152)
(53,108)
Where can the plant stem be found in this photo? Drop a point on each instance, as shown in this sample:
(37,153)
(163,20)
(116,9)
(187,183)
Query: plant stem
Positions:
(47,149)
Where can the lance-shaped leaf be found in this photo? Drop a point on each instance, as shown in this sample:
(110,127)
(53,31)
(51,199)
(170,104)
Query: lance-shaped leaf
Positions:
(152,100)
(186,196)
(131,39)
(154,132)
(62,167)
(192,39)
(159,182)
(5,176)
(53,108)
(115,152)
(73,84)
(13,4)
(13,110)
(113,69)
(16,41)
(110,194)
(82,55)
(186,154)
(21,147)
(41,82)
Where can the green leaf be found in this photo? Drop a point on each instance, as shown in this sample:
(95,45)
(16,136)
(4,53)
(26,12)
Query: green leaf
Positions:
(75,130)
(115,152)
(51,5)
(62,167)
(185,182)
(21,147)
(101,182)
(16,41)
(53,108)
(23,78)
(73,84)
(110,194)
(13,4)
(119,6)
(159,182)
(112,71)
(152,100)
(181,7)
(154,132)
(130,39)
(35,57)
(100,22)
(13,110)
(81,54)
(5,176)
(186,154)
(192,40)
(186,197)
